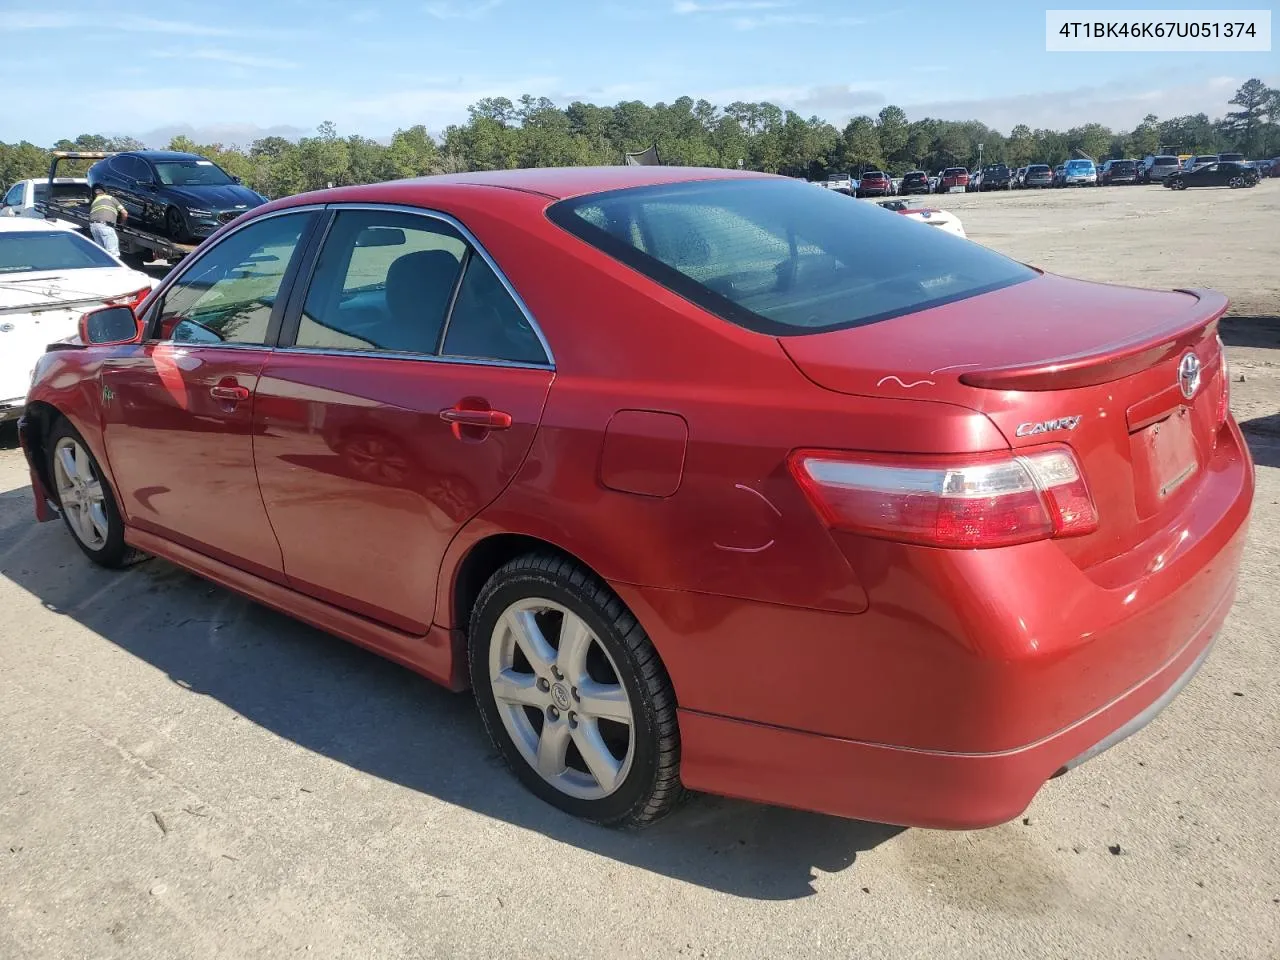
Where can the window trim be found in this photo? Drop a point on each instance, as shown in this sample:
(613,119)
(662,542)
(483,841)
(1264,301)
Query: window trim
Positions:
(287,281)
(302,284)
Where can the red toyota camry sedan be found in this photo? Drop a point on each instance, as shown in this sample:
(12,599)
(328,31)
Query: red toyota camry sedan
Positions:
(698,479)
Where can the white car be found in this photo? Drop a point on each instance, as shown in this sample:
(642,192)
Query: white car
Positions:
(930,216)
(49,276)
(21,198)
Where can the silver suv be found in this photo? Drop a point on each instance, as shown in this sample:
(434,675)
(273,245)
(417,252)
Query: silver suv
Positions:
(1158,167)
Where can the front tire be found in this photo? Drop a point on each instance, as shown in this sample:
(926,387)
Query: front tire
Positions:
(86,500)
(573,694)
(175,225)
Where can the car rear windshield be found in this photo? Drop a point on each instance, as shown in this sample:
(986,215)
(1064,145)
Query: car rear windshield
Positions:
(1124,165)
(1164,161)
(1079,166)
(1038,168)
(954,171)
(777,257)
(30,251)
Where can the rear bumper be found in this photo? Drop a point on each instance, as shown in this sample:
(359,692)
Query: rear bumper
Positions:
(12,409)
(917,788)
(970,678)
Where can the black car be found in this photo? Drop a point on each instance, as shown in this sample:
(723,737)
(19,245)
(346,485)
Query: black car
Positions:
(1118,171)
(1217,174)
(917,181)
(179,195)
(996,176)
(1039,176)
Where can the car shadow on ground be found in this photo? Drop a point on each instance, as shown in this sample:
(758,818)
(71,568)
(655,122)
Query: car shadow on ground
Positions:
(1250,331)
(1263,436)
(358,709)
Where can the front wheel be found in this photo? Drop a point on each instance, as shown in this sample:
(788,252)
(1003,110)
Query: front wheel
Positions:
(174,225)
(573,694)
(86,500)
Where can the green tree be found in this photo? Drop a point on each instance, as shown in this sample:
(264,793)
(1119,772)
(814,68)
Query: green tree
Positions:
(894,133)
(862,146)
(1256,102)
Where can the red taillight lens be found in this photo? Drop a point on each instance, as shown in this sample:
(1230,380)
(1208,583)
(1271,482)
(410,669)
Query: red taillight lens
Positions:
(131,300)
(989,501)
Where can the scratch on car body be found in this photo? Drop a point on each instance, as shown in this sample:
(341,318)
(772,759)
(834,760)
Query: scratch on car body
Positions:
(768,502)
(954,366)
(721,546)
(906,386)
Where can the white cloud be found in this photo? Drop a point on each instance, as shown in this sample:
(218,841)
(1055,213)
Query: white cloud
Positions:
(1114,106)
(230,57)
(460,9)
(726,6)
(14,20)
(794,20)
(134,24)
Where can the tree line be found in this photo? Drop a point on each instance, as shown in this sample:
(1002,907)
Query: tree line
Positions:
(534,132)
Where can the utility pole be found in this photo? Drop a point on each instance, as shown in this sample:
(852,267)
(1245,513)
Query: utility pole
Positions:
(979,156)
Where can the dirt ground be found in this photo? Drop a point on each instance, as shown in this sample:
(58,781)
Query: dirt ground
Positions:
(184,774)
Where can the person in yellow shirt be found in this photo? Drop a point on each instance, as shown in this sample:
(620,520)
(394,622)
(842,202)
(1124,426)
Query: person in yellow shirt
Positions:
(105,212)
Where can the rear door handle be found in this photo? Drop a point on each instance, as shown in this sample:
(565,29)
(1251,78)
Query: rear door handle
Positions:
(229,390)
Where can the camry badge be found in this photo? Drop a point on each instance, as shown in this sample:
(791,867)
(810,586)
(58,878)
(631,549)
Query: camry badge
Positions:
(1189,375)
(1047,426)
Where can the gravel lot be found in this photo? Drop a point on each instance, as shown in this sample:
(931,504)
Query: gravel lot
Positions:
(185,774)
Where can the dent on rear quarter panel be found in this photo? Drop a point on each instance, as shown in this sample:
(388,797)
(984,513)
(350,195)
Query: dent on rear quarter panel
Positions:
(736,524)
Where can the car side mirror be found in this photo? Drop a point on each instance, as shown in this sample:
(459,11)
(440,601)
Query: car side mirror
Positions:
(236,180)
(110,325)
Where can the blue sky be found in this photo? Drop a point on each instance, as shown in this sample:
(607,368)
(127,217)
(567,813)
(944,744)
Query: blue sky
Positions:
(233,69)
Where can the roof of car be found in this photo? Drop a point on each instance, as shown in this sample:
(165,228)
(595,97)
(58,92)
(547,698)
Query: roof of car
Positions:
(28,225)
(164,155)
(561,182)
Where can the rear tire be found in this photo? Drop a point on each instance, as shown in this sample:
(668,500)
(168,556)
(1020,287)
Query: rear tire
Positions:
(570,747)
(85,499)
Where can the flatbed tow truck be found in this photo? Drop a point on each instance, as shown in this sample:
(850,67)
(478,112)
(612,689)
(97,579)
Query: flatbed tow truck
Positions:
(137,247)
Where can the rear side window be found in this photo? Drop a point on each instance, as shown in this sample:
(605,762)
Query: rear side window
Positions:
(780,258)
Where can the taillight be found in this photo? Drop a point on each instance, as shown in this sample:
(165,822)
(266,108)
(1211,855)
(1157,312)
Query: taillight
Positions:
(1224,392)
(974,501)
(130,300)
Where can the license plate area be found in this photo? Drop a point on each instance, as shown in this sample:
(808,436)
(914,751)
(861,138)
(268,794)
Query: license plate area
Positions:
(1165,461)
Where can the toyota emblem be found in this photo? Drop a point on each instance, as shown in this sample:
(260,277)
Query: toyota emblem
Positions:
(1189,375)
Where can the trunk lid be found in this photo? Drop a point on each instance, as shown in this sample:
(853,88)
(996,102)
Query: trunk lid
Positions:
(1055,360)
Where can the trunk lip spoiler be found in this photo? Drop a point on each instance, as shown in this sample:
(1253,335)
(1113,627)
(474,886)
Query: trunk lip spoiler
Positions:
(1090,368)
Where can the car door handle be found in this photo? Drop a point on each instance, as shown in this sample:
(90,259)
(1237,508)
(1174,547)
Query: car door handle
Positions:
(232,392)
(487,419)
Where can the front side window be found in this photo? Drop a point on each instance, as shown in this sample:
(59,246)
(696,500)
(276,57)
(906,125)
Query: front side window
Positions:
(14,197)
(384,282)
(228,294)
(777,257)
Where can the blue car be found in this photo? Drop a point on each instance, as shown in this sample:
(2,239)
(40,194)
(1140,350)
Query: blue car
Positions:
(1079,173)
(179,195)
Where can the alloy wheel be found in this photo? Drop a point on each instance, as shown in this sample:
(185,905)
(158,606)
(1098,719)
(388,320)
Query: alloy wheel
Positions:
(561,700)
(81,493)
